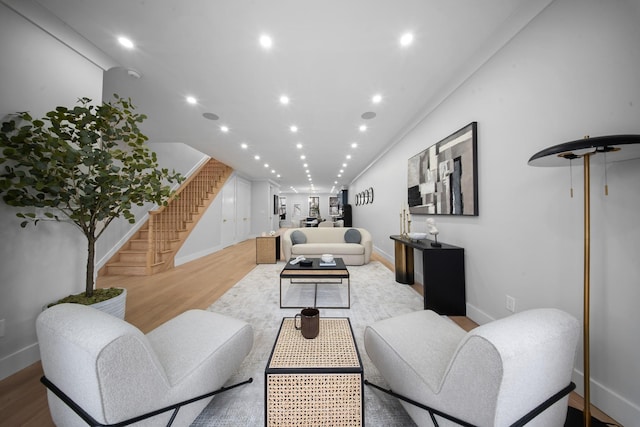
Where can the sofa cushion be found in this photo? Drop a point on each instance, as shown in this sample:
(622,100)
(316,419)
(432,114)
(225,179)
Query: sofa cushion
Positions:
(298,237)
(352,236)
(337,249)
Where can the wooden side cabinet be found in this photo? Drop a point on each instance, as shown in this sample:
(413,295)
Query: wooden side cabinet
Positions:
(443,274)
(267,249)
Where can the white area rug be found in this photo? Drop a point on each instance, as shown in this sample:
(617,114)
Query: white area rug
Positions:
(375,295)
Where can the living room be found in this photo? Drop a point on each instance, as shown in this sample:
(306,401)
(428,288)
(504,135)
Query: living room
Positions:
(570,72)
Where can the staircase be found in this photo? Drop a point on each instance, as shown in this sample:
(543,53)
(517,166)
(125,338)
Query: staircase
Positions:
(154,246)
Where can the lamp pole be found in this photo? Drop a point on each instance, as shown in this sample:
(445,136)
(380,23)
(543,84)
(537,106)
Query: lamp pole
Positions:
(587,263)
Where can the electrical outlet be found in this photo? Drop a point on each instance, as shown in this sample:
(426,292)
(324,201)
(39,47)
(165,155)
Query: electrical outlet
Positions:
(511,304)
(1,328)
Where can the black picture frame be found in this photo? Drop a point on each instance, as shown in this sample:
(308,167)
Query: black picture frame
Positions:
(443,179)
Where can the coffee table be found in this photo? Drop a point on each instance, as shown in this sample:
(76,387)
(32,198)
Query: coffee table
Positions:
(316,274)
(315,381)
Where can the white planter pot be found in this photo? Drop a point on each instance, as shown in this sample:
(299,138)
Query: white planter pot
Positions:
(114,306)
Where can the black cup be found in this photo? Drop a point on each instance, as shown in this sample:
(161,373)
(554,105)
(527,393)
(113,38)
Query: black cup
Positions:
(309,322)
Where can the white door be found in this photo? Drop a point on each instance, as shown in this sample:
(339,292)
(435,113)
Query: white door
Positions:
(243,209)
(228,234)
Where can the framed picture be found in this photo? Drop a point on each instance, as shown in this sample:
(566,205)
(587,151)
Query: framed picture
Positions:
(443,179)
(333,206)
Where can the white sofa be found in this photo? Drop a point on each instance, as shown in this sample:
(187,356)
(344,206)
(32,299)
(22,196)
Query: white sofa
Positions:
(329,240)
(115,372)
(490,376)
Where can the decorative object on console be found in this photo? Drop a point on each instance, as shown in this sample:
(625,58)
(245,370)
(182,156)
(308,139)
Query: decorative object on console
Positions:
(405,221)
(433,230)
(443,179)
(614,148)
(417,236)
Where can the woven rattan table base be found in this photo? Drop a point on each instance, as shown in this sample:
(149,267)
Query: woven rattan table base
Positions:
(314,382)
(314,400)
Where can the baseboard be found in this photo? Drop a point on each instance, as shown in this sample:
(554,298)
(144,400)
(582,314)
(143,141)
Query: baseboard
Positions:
(611,403)
(19,360)
(477,315)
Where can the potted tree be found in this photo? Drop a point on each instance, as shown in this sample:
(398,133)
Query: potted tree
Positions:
(85,165)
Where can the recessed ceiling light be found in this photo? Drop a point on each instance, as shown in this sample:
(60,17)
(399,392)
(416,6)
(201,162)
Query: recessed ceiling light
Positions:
(284,100)
(244,146)
(224,129)
(348,156)
(273,171)
(294,128)
(126,42)
(192,100)
(256,157)
(335,182)
(210,116)
(368,115)
(354,145)
(344,165)
(307,171)
(305,165)
(302,157)
(339,176)
(266,41)
(406,39)
(278,176)
(376,98)
(341,171)
(298,145)
(266,165)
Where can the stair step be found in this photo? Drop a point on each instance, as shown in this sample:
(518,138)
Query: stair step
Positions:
(200,192)
(118,269)
(133,256)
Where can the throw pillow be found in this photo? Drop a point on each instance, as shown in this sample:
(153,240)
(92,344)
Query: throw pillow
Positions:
(298,237)
(352,236)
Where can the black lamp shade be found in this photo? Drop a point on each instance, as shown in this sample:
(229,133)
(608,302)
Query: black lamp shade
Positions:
(616,147)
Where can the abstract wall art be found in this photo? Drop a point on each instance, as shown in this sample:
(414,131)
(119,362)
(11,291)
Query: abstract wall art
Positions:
(443,179)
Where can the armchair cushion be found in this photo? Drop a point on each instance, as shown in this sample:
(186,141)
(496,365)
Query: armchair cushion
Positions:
(115,372)
(492,375)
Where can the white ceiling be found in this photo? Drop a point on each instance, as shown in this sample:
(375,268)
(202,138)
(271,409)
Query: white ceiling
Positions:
(330,58)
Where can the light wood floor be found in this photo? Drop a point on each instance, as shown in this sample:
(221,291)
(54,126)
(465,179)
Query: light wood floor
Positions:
(150,302)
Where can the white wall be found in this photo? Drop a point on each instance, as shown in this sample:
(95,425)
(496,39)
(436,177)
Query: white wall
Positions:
(47,262)
(206,237)
(263,220)
(572,72)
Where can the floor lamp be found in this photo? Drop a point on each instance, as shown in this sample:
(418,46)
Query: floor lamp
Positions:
(612,148)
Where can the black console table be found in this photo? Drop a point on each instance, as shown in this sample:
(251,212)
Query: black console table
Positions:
(443,274)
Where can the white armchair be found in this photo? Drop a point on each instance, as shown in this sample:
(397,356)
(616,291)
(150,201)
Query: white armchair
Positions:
(114,372)
(494,375)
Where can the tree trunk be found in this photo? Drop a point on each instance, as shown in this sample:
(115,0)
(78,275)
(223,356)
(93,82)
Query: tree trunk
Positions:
(91,255)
